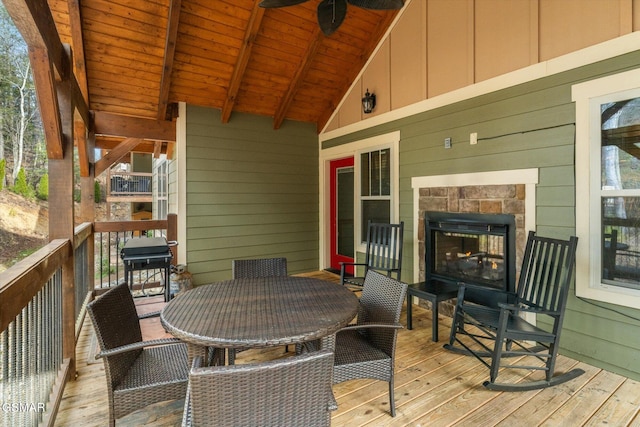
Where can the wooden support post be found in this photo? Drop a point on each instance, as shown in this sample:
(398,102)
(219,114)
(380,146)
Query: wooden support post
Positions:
(87,214)
(87,191)
(61,225)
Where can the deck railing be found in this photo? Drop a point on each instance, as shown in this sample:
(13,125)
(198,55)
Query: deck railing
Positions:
(42,306)
(83,256)
(33,357)
(110,238)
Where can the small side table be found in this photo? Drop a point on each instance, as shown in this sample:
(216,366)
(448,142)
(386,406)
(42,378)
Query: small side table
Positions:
(434,291)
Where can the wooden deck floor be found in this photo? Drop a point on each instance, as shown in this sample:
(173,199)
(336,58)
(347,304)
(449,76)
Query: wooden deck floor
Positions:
(433,387)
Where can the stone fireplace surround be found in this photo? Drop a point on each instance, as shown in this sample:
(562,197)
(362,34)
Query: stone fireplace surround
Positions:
(502,192)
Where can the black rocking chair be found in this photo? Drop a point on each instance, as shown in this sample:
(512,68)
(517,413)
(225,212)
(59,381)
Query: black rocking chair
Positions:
(383,254)
(498,331)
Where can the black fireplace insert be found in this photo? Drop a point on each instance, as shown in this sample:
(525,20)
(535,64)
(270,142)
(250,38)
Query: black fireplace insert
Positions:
(473,248)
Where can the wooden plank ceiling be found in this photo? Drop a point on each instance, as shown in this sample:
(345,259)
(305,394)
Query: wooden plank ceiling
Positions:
(137,58)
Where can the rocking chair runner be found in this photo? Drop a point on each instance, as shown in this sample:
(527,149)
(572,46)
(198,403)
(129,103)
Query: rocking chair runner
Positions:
(383,254)
(493,331)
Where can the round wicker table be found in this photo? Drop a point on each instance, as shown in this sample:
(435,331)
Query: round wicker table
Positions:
(258,312)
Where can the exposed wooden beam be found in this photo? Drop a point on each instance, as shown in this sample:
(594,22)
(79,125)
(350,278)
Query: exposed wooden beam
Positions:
(133,127)
(169,53)
(157,149)
(80,135)
(116,154)
(80,70)
(170,150)
(44,80)
(109,143)
(358,64)
(34,21)
(243,59)
(298,78)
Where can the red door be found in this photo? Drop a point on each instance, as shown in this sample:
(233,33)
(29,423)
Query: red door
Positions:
(342,200)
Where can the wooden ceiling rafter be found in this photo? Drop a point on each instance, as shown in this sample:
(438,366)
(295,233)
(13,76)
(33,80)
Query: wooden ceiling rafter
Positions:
(298,78)
(80,69)
(253,26)
(85,156)
(169,54)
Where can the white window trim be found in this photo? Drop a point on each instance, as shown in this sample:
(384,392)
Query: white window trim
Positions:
(588,97)
(357,208)
(389,140)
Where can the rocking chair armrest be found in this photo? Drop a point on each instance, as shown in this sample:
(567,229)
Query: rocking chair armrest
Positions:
(343,268)
(344,264)
(367,325)
(526,309)
(137,346)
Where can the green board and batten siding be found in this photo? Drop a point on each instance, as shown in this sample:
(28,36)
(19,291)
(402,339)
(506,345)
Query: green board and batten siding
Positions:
(252,192)
(530,125)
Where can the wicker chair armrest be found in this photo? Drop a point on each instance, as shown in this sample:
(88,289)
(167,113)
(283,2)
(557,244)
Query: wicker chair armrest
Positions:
(367,325)
(332,405)
(137,346)
(149,315)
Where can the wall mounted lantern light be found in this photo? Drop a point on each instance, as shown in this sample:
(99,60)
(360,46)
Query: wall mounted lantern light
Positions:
(368,102)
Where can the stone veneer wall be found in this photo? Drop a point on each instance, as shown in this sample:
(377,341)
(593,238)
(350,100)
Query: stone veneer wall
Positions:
(487,199)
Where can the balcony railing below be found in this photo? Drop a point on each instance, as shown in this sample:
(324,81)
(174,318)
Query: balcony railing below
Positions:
(129,186)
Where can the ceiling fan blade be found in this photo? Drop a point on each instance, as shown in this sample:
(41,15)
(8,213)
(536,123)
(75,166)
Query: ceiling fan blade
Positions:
(331,13)
(280,3)
(378,4)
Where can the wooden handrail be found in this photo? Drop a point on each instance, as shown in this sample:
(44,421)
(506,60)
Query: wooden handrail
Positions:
(20,283)
(81,233)
(119,226)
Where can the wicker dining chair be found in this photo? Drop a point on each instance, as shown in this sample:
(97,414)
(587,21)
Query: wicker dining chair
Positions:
(367,349)
(250,268)
(138,372)
(294,391)
(262,267)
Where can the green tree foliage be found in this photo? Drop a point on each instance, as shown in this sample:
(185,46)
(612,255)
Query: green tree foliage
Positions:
(42,192)
(21,186)
(21,133)
(97,195)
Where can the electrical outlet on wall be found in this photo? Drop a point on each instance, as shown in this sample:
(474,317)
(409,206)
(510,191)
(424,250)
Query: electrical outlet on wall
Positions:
(473,138)
(447,143)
